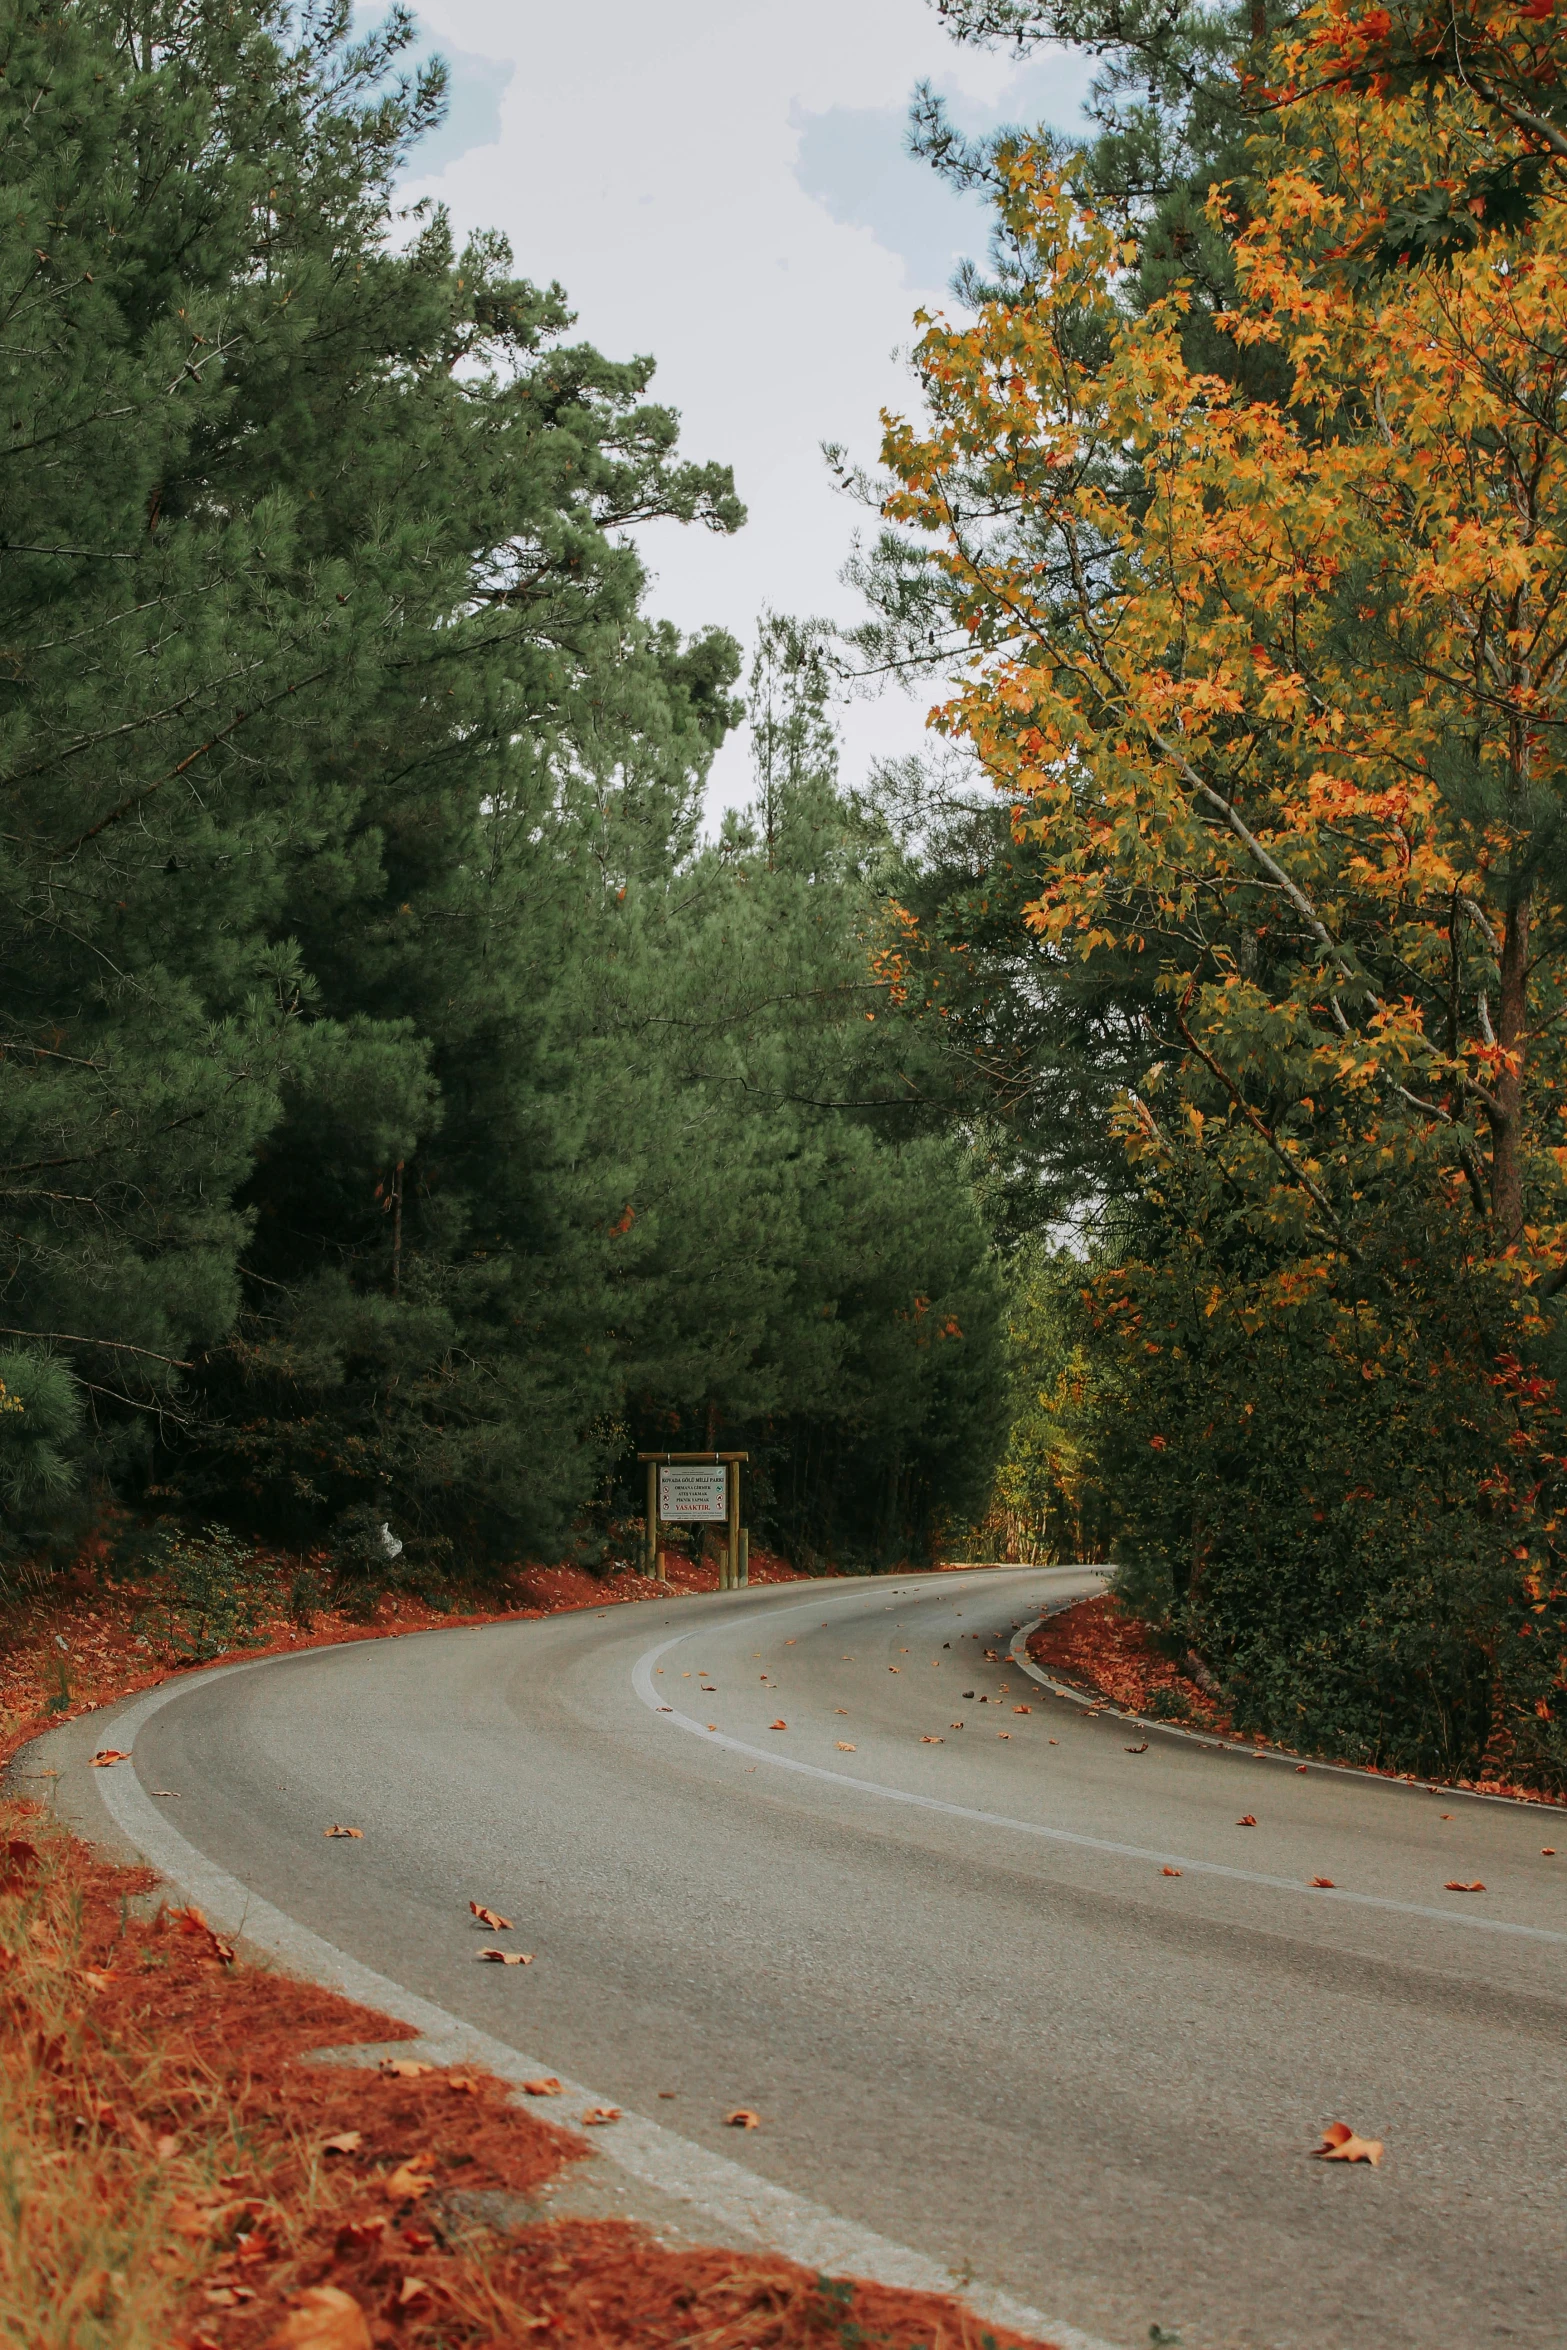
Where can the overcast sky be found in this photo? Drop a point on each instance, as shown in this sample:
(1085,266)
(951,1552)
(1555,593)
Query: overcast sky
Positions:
(723,183)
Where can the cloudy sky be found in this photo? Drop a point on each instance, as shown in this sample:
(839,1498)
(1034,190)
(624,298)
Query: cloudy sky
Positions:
(723,183)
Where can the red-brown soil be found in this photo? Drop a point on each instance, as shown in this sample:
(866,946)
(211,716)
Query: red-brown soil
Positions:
(159,2106)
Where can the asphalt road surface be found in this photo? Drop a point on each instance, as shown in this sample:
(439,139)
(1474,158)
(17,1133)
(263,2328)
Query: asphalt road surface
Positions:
(988,2022)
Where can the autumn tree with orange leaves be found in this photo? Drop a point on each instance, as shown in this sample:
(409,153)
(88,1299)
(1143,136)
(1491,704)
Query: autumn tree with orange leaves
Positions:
(1278,692)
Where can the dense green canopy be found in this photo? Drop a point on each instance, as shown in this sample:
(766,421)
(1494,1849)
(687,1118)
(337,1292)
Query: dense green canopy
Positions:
(400,1108)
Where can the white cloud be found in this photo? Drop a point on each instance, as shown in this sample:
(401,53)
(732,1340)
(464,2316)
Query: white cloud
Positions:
(650,159)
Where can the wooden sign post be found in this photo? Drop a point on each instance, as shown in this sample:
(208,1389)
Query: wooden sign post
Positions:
(698,1488)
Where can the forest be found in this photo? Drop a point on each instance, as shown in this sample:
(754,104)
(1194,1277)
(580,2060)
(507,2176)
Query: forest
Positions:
(1132,1130)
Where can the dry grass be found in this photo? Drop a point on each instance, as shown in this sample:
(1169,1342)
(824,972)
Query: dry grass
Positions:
(165,2181)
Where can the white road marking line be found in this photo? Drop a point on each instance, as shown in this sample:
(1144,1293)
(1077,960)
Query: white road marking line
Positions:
(641,1681)
(721,2192)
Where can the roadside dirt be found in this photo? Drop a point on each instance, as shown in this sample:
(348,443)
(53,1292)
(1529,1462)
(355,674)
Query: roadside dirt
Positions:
(1097,1647)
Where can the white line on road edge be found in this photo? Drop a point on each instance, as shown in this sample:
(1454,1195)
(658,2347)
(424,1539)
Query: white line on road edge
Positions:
(721,2192)
(642,1682)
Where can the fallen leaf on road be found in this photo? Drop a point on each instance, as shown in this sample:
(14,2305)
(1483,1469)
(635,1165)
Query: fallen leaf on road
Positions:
(107,1755)
(1143,1749)
(927,1740)
(1300,1770)
(1340,2144)
(712,1725)
(489,1917)
(664,1709)
(845,1748)
(1003,1733)
(411,2178)
(356,1833)
(1457,1885)
(1169,1872)
(743,2119)
(1323,1884)
(778,1725)
(894,1668)
(324,2318)
(1055,1741)
(507,1957)
(1444,1815)
(547,2086)
(596,2115)
(1547,1852)
(956,1726)
(1247,1820)
(346,2142)
(1022,1709)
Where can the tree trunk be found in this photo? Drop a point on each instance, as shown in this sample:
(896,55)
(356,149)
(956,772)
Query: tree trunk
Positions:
(1506,1119)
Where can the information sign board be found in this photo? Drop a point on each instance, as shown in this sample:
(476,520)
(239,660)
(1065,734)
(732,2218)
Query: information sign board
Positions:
(693,1493)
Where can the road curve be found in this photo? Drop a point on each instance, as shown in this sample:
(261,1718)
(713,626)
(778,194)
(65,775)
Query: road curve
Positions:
(936,1942)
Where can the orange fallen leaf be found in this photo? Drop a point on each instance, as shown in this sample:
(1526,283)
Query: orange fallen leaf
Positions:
(508,1957)
(488,1917)
(403,2068)
(1003,1733)
(412,2290)
(1143,1749)
(1022,1709)
(598,2114)
(548,2086)
(712,1725)
(1323,1884)
(94,1979)
(1247,1820)
(844,1747)
(1457,1885)
(1300,1770)
(778,1725)
(195,2220)
(192,1922)
(1169,1872)
(355,2234)
(1340,2144)
(107,1755)
(346,2142)
(463,2084)
(743,2119)
(411,2178)
(927,1740)
(1547,1852)
(324,2318)
(356,1833)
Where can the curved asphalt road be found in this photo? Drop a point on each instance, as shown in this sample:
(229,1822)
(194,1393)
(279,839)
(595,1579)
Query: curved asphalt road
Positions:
(984,2023)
